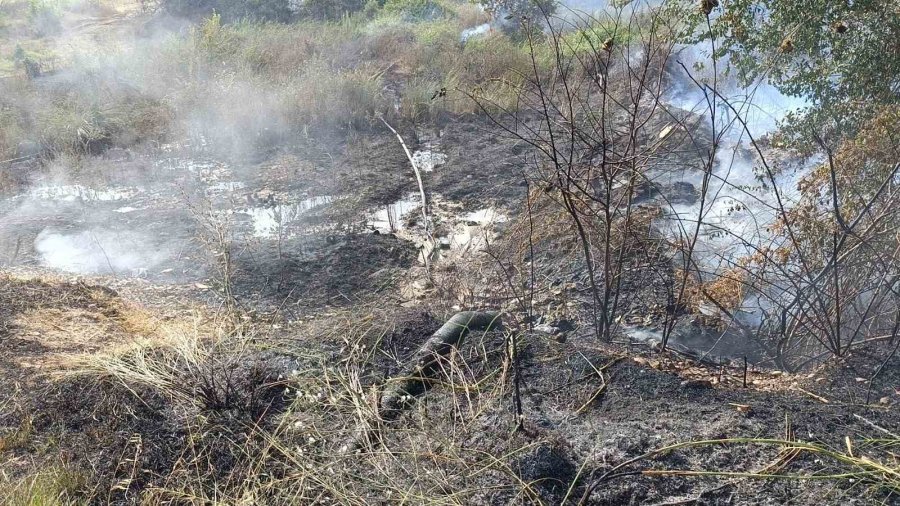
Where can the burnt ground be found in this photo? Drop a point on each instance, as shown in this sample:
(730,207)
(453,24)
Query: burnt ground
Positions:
(181,208)
(573,421)
(578,426)
(334,276)
(646,408)
(133,439)
(119,438)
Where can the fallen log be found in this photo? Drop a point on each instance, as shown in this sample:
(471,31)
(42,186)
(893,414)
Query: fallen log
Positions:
(401,390)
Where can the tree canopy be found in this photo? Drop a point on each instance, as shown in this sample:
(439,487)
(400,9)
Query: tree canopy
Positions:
(842,55)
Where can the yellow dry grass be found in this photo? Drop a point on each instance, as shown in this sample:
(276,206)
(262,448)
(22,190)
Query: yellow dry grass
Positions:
(58,322)
(61,331)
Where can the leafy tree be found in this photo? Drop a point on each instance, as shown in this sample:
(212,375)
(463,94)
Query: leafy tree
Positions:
(844,55)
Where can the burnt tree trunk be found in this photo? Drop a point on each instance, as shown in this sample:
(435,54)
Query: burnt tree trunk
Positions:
(400,390)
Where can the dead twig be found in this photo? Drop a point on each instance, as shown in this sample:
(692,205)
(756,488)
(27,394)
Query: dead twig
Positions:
(876,427)
(814,396)
(415,167)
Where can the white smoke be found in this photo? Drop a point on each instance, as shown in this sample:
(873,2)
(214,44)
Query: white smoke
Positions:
(99,252)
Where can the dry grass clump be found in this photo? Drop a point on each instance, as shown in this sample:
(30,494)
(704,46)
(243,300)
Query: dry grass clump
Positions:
(283,439)
(58,485)
(468,13)
(185,403)
(346,98)
(186,364)
(51,319)
(74,123)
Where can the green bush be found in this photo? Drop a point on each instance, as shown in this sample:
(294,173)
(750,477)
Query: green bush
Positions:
(323,96)
(45,16)
(284,11)
(232,10)
(412,10)
(328,9)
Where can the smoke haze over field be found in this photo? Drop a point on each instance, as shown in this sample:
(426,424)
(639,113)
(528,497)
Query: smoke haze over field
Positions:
(189,117)
(99,251)
(225,92)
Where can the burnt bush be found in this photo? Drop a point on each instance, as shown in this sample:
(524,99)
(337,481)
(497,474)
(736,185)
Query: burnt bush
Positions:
(130,436)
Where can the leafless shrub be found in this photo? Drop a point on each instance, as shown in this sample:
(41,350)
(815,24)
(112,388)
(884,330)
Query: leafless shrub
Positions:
(810,272)
(593,87)
(814,274)
(827,275)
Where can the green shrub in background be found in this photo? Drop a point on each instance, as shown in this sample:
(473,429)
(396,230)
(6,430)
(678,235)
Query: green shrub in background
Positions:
(283,11)
(328,9)
(267,82)
(414,10)
(44,16)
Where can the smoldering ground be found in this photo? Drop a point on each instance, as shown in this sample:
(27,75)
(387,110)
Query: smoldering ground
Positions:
(247,264)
